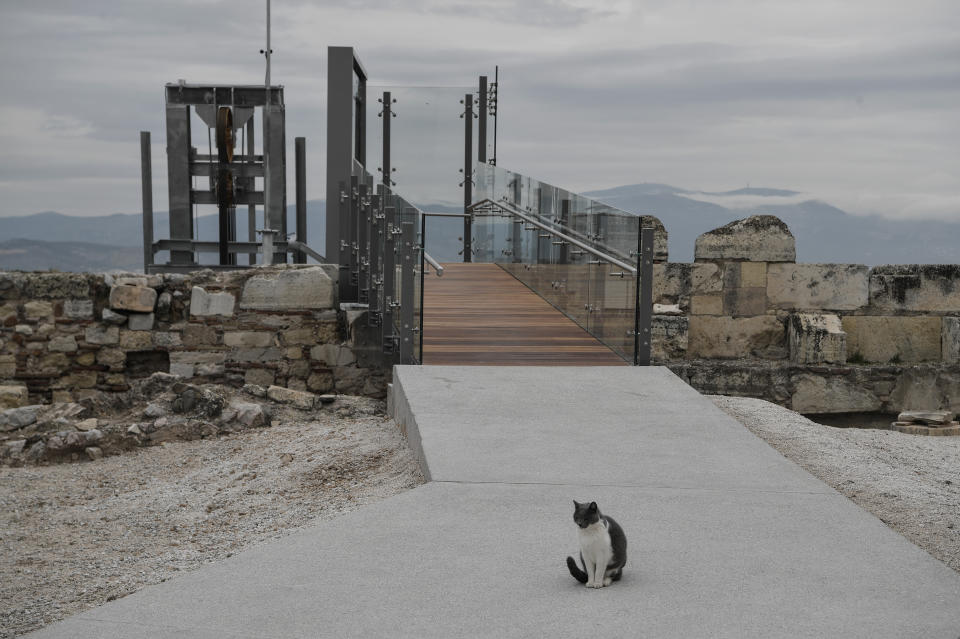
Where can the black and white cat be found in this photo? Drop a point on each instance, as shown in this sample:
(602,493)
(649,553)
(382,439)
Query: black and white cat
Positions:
(603,547)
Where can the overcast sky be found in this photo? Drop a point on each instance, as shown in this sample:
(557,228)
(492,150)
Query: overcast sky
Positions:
(853,102)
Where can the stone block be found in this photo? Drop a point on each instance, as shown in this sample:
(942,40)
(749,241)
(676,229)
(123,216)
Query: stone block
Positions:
(305,288)
(62,396)
(820,394)
(112,357)
(259,376)
(23,329)
(126,297)
(136,340)
(669,336)
(248,339)
(140,321)
(883,339)
(744,302)
(63,344)
(759,238)
(20,417)
(79,379)
(190,364)
(300,399)
(102,335)
(927,388)
(78,309)
(950,340)
(8,366)
(203,304)
(128,280)
(36,310)
(87,358)
(12,396)
(816,339)
(200,335)
(293,352)
(813,287)
(270,354)
(111,317)
(924,288)
(333,355)
(706,305)
(167,339)
(320,381)
(8,314)
(753,274)
(299,337)
(731,338)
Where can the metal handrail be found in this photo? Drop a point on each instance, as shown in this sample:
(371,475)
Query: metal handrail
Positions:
(509,208)
(435,264)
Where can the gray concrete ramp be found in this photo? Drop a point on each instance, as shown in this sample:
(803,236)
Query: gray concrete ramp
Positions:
(726,537)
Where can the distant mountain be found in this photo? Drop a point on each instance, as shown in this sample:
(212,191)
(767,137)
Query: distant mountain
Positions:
(824,233)
(36,255)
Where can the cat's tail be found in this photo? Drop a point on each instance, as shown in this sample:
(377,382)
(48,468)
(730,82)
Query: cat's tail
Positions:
(578,574)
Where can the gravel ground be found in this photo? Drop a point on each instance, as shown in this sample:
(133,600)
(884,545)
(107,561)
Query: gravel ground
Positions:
(75,535)
(911,482)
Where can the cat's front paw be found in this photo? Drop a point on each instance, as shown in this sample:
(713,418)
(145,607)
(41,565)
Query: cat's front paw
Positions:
(598,584)
(589,584)
(607,581)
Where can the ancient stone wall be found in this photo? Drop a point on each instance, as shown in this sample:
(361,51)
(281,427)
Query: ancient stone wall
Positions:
(814,337)
(64,336)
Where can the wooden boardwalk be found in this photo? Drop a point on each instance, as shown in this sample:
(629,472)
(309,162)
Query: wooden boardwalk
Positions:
(478,314)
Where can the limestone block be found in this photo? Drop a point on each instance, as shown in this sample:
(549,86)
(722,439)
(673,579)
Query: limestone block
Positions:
(200,335)
(883,339)
(13,396)
(140,321)
(819,394)
(259,376)
(127,280)
(139,299)
(248,339)
(63,344)
(730,338)
(927,388)
(56,286)
(8,314)
(753,274)
(759,238)
(816,339)
(23,329)
(320,381)
(36,310)
(203,304)
(300,399)
(744,302)
(87,358)
(20,417)
(62,396)
(79,379)
(293,352)
(926,417)
(925,288)
(136,340)
(333,355)
(269,354)
(189,364)
(828,287)
(78,309)
(167,339)
(950,340)
(299,337)
(102,335)
(706,305)
(308,288)
(669,336)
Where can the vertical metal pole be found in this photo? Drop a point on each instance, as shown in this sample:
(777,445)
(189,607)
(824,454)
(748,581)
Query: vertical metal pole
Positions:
(341,67)
(564,221)
(376,250)
(482,124)
(423,270)
(496,112)
(389,277)
(350,234)
(146,181)
(300,150)
(363,249)
(407,250)
(387,116)
(178,179)
(467,176)
(644,315)
(251,187)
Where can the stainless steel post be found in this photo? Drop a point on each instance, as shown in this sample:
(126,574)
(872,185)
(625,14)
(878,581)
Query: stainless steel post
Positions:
(407,254)
(147,186)
(642,344)
(300,150)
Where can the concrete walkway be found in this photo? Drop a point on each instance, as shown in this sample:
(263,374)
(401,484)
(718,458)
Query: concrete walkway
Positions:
(726,537)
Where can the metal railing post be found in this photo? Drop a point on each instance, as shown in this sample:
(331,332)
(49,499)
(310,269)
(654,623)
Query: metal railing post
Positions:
(350,236)
(389,276)
(407,250)
(363,248)
(467,176)
(300,150)
(147,187)
(482,122)
(644,314)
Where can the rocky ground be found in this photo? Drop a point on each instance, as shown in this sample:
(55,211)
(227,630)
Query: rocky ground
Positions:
(911,482)
(76,534)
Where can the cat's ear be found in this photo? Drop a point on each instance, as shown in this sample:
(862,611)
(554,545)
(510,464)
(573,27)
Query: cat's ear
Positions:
(576,504)
(593,506)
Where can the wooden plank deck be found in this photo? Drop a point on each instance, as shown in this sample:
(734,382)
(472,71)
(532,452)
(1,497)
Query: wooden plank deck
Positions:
(478,314)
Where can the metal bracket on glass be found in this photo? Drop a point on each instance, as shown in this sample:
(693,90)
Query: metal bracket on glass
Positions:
(578,252)
(619,274)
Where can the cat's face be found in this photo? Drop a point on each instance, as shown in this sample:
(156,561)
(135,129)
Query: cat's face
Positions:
(585,514)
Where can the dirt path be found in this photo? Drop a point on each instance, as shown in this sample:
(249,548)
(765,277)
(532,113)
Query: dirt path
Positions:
(75,535)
